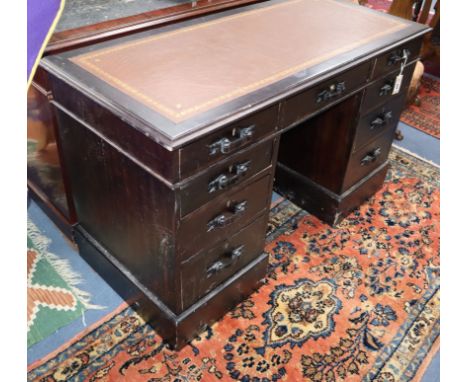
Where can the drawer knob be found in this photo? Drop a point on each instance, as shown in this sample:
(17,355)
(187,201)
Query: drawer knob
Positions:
(230,259)
(371,157)
(224,220)
(382,120)
(386,89)
(333,90)
(226,145)
(224,180)
(397,57)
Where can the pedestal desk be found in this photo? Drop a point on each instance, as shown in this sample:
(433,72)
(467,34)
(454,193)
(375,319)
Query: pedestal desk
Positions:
(83,23)
(173,139)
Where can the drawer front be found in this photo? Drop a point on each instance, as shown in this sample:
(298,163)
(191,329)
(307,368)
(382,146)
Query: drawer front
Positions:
(368,158)
(378,121)
(381,91)
(212,267)
(223,217)
(226,141)
(224,176)
(302,105)
(389,61)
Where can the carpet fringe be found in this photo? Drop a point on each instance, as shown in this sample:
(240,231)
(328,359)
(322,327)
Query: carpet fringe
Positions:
(40,241)
(62,266)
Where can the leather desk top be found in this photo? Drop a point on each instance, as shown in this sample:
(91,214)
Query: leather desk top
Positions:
(181,78)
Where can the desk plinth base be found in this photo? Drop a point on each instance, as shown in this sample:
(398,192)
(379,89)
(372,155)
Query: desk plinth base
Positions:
(321,202)
(175,329)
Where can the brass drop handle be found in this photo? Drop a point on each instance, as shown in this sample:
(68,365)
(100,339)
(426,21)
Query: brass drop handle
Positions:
(371,157)
(226,145)
(332,91)
(382,120)
(230,259)
(226,219)
(224,180)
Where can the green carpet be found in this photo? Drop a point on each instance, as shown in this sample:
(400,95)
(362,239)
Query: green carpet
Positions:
(53,298)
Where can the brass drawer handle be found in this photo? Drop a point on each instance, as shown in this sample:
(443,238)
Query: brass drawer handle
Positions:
(396,57)
(371,157)
(381,120)
(224,180)
(333,90)
(230,259)
(224,220)
(226,145)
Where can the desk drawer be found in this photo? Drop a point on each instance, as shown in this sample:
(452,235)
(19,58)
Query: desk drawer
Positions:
(368,158)
(223,217)
(381,90)
(210,268)
(302,105)
(377,121)
(224,176)
(389,61)
(226,141)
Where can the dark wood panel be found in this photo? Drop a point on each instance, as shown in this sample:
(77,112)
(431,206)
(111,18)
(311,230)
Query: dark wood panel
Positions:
(224,176)
(378,121)
(368,158)
(212,266)
(123,206)
(392,60)
(221,300)
(326,205)
(319,148)
(223,216)
(118,131)
(381,91)
(228,140)
(40,80)
(302,105)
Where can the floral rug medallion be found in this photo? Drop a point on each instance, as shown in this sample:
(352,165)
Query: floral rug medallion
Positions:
(301,311)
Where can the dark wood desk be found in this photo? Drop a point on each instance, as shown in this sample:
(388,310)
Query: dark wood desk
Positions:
(172,139)
(83,23)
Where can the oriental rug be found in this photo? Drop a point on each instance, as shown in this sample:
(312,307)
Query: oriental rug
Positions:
(426,115)
(53,297)
(359,302)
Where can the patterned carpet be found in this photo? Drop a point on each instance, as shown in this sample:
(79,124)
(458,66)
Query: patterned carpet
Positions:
(426,116)
(356,303)
(53,299)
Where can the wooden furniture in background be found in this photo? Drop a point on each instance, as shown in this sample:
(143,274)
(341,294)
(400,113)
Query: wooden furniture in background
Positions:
(403,8)
(173,144)
(419,11)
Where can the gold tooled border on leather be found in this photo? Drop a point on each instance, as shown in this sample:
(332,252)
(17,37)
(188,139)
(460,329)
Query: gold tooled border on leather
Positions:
(85,62)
